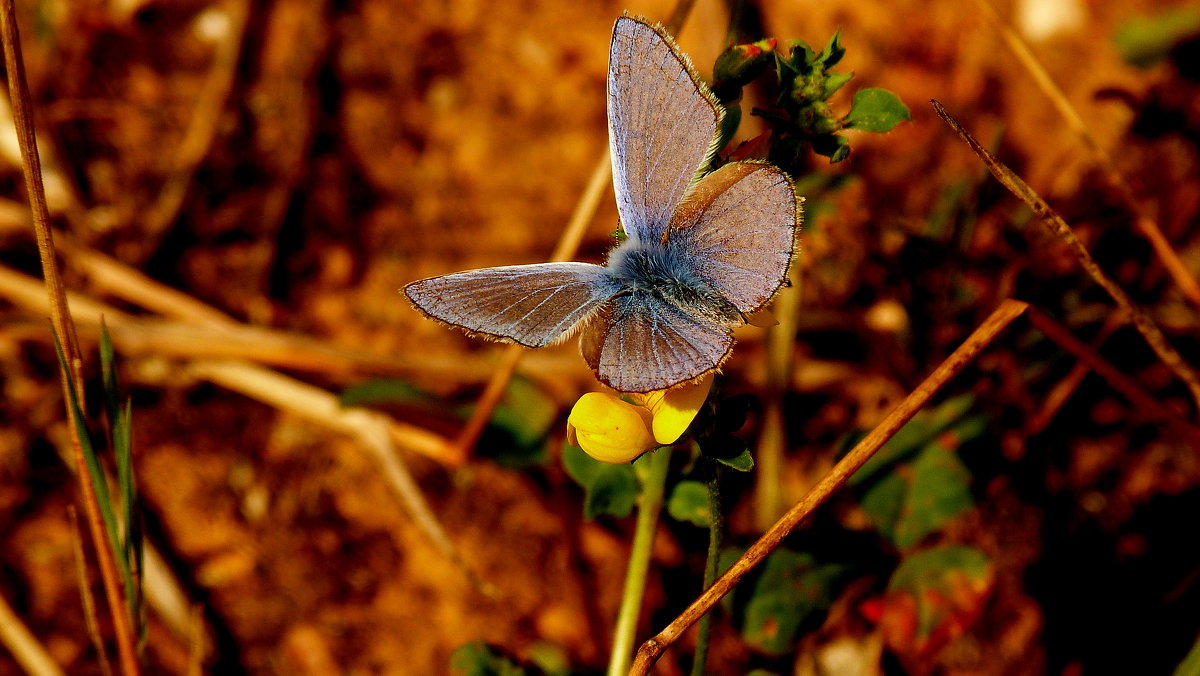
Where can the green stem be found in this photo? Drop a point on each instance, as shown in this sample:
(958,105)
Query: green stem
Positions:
(653,481)
(716,526)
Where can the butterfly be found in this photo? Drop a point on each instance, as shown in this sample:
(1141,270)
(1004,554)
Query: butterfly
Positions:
(701,253)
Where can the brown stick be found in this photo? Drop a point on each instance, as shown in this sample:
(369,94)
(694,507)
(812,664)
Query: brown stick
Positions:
(1145,224)
(60,317)
(652,649)
(1120,382)
(1059,228)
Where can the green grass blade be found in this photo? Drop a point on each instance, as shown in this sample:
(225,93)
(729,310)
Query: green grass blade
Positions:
(95,474)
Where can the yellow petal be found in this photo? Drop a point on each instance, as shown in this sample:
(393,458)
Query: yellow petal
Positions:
(674,409)
(610,429)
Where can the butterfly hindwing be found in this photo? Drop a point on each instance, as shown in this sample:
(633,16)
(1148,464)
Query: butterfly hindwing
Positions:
(661,124)
(534,305)
(739,226)
(636,342)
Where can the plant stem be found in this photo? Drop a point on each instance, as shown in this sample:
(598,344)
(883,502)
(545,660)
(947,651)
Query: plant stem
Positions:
(64,327)
(716,527)
(653,482)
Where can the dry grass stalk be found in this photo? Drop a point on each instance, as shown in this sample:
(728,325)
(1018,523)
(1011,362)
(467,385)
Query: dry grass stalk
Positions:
(1144,223)
(983,336)
(1059,228)
(60,317)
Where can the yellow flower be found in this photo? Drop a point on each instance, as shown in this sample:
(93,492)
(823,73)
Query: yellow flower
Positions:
(612,430)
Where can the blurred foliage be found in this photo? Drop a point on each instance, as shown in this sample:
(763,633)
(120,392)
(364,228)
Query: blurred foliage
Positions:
(916,483)
(1146,40)
(608,489)
(789,591)
(933,597)
(689,503)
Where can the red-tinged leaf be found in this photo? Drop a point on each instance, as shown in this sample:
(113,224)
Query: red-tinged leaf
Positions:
(934,597)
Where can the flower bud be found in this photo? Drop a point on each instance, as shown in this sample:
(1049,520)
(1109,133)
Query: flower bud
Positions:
(738,65)
(610,429)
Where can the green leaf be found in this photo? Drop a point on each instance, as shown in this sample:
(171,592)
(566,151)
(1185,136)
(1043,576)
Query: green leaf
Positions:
(835,147)
(382,391)
(834,82)
(480,659)
(915,435)
(608,489)
(792,589)
(689,503)
(933,597)
(833,52)
(516,435)
(939,493)
(802,57)
(876,110)
(1190,666)
(920,497)
(95,472)
(1144,41)
(917,483)
(742,463)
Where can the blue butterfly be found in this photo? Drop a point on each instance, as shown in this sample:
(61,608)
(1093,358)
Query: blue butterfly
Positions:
(701,253)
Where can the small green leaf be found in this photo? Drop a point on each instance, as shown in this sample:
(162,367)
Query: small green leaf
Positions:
(833,52)
(802,57)
(835,147)
(919,497)
(382,391)
(689,503)
(876,110)
(933,597)
(834,82)
(523,420)
(915,435)
(480,659)
(608,489)
(940,492)
(742,463)
(792,589)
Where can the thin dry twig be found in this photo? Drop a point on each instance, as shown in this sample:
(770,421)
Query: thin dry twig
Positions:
(203,338)
(1066,386)
(90,618)
(983,336)
(202,128)
(1144,223)
(23,645)
(284,393)
(373,430)
(781,350)
(1149,406)
(60,316)
(1059,228)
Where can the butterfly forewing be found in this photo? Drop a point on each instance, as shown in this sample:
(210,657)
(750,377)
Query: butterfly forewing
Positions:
(533,305)
(638,343)
(739,224)
(661,124)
